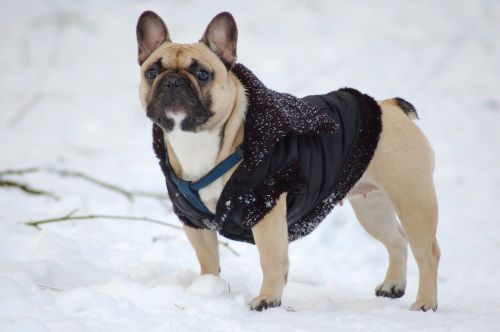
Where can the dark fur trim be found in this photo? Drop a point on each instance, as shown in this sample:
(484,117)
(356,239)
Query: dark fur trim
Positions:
(272,115)
(285,179)
(159,143)
(185,220)
(353,169)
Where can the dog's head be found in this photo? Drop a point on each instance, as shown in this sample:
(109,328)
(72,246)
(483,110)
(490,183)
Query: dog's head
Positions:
(187,86)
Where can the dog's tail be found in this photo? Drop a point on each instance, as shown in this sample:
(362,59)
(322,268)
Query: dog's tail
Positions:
(404,106)
(407,107)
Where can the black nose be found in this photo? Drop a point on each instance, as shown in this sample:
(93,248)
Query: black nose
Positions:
(174,81)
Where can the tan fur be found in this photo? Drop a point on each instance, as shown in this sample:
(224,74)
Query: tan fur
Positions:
(206,246)
(401,171)
(271,238)
(205,242)
(227,93)
(398,182)
(224,91)
(399,179)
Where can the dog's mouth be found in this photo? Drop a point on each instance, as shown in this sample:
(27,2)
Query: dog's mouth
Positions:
(196,120)
(184,119)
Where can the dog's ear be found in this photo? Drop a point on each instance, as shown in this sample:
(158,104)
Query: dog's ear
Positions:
(221,37)
(151,33)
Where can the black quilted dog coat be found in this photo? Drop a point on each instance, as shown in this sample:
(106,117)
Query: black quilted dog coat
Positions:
(314,148)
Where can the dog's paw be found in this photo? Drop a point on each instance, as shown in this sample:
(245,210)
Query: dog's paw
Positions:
(264,302)
(424,305)
(209,285)
(391,289)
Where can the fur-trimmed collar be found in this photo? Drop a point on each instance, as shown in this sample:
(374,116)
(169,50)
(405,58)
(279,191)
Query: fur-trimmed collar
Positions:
(272,115)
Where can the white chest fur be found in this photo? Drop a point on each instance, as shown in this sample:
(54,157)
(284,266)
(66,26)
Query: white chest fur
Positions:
(197,153)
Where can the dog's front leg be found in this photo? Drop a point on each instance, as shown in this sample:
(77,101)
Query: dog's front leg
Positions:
(271,238)
(206,246)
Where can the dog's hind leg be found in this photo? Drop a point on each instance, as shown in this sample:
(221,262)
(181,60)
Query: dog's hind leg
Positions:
(402,167)
(377,216)
(418,213)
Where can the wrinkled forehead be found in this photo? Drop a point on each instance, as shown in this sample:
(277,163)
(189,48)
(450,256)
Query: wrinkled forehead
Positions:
(178,56)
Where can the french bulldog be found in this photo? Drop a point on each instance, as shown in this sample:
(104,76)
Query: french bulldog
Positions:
(200,107)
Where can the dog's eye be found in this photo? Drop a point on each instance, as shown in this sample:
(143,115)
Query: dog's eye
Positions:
(151,73)
(202,75)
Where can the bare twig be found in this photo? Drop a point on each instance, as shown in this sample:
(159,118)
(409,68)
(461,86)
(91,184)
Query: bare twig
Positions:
(129,194)
(71,216)
(45,287)
(27,189)
(91,179)
(225,244)
(71,213)
(21,171)
(25,108)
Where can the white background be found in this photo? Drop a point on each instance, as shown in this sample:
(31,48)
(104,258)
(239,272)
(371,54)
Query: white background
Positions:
(69,100)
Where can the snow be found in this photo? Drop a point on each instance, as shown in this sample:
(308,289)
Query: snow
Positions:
(209,285)
(69,100)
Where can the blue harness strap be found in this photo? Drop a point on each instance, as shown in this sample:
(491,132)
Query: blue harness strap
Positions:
(190,190)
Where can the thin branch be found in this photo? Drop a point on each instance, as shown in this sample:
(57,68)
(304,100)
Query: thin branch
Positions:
(129,194)
(25,188)
(21,171)
(71,213)
(45,287)
(70,216)
(109,186)
(225,244)
(28,105)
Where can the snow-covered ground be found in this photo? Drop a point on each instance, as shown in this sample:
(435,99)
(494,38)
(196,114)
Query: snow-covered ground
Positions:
(69,100)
